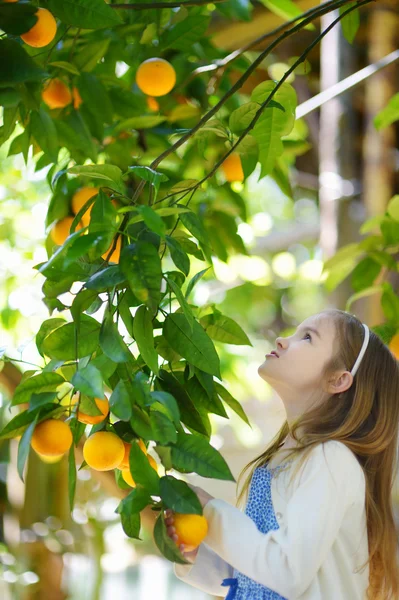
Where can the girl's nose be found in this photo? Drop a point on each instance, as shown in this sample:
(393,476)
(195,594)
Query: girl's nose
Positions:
(280,342)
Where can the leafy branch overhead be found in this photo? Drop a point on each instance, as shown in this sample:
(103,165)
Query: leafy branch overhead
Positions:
(147,141)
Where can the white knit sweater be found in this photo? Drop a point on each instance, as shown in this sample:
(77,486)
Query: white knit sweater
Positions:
(322,535)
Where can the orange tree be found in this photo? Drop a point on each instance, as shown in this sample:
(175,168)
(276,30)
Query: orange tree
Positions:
(133,111)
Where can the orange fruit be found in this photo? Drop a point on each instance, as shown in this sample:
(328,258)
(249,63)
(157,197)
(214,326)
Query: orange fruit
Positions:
(127,476)
(116,253)
(190,529)
(153,462)
(51,437)
(232,168)
(394,345)
(152,103)
(61,230)
(77,100)
(80,198)
(10,0)
(103,451)
(124,464)
(50,459)
(103,405)
(155,77)
(56,94)
(43,31)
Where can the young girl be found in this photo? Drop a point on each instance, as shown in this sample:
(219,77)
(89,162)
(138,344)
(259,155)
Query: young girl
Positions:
(329,534)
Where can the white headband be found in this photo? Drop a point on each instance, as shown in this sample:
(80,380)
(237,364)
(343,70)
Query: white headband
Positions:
(362,351)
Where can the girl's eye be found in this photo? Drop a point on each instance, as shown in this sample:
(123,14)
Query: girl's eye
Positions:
(308,335)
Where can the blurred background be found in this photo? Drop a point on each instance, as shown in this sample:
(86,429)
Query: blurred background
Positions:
(343,174)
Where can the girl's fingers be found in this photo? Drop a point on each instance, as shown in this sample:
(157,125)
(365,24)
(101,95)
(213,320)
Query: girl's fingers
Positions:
(181,547)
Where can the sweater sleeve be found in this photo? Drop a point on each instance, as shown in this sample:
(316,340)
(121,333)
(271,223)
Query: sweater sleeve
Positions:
(207,572)
(286,560)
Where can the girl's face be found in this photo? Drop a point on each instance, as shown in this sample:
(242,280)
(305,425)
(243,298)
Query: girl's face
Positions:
(296,373)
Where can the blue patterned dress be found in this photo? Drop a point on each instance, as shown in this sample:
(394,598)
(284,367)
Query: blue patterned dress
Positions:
(260,509)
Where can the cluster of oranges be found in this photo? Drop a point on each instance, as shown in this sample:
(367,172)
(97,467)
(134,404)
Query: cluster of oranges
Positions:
(56,94)
(105,451)
(61,229)
(102,451)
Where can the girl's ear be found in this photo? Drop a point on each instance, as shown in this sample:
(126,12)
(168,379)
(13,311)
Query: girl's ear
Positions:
(342,382)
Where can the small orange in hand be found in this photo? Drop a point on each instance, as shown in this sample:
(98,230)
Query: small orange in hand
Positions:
(190,529)
(43,31)
(102,405)
(156,77)
(103,451)
(232,168)
(394,345)
(61,230)
(51,437)
(56,94)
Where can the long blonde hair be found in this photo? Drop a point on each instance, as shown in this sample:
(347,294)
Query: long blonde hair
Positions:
(366,419)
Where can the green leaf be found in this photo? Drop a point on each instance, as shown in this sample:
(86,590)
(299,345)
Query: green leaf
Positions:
(17,19)
(106,278)
(191,221)
(45,329)
(134,502)
(185,306)
(194,280)
(90,55)
(120,402)
(74,133)
(365,274)
(273,123)
(141,264)
(18,424)
(109,175)
(190,414)
(67,66)
(185,33)
(152,220)
(390,231)
(89,381)
(223,329)
(153,177)
(242,116)
(390,303)
(95,96)
(163,429)
(141,470)
(41,399)
(24,446)
(199,396)
(71,476)
(165,544)
(393,206)
(195,346)
(82,301)
(131,525)
(44,382)
(193,453)
(286,9)
(111,341)
(389,114)
(232,402)
(350,23)
(16,66)
(61,342)
(144,337)
(363,294)
(144,122)
(85,14)
(178,496)
(88,406)
(168,402)
(178,255)
(45,133)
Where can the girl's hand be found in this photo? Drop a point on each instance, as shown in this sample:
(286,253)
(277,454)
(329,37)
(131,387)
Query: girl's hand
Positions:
(169,520)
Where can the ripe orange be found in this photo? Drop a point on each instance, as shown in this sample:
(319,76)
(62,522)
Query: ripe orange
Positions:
(50,459)
(127,476)
(124,464)
(56,94)
(394,345)
(61,230)
(103,405)
(232,168)
(80,198)
(103,451)
(43,31)
(155,77)
(77,100)
(51,437)
(152,103)
(190,529)
(116,253)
